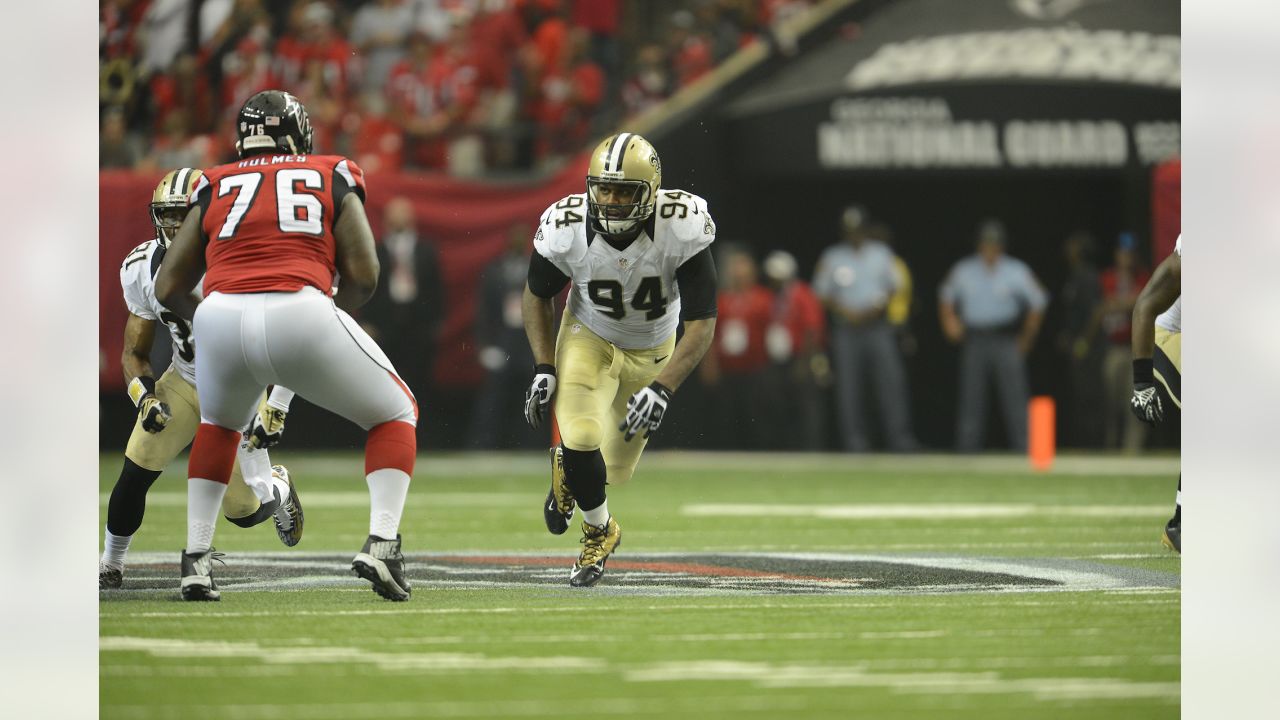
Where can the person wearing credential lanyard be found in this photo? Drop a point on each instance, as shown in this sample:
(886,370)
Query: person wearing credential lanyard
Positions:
(992,305)
(795,342)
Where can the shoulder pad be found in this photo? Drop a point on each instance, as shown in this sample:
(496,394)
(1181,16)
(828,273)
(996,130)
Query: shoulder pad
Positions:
(556,239)
(686,217)
(137,255)
(350,173)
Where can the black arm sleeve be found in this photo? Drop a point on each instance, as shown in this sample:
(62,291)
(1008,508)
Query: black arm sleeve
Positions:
(698,285)
(545,279)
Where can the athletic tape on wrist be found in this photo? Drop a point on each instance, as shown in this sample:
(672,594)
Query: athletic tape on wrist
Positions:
(140,387)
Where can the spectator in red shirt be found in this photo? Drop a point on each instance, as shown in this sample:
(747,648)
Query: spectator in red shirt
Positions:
(454,77)
(380,29)
(1120,287)
(795,341)
(571,92)
(246,71)
(313,37)
(737,367)
(690,49)
(601,18)
(650,84)
(415,107)
(377,145)
(497,35)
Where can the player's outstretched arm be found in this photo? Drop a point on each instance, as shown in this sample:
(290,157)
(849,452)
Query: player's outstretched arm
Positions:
(538,326)
(139,334)
(698,335)
(538,323)
(356,256)
(1164,287)
(182,267)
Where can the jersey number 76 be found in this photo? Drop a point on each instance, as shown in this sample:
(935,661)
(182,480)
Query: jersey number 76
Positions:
(299,211)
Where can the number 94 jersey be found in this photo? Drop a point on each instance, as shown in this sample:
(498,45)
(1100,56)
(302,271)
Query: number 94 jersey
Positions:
(628,297)
(138,280)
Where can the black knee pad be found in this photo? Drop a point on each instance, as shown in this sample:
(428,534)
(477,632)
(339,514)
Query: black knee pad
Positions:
(129,499)
(585,474)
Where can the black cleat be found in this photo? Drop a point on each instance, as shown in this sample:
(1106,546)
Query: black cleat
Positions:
(1172,536)
(288,513)
(197,576)
(598,544)
(382,563)
(110,577)
(557,509)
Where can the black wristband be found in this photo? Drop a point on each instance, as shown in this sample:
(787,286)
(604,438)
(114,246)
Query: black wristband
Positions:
(1142,371)
(544,369)
(662,390)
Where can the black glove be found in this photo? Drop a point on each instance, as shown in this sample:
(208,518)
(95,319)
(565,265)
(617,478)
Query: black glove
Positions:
(538,397)
(645,410)
(152,412)
(1145,402)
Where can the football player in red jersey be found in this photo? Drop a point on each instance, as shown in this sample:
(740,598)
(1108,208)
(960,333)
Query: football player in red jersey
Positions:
(269,232)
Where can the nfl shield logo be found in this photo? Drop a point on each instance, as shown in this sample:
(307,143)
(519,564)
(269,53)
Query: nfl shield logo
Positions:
(622,263)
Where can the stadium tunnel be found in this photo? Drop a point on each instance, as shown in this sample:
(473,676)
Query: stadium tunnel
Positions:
(1050,115)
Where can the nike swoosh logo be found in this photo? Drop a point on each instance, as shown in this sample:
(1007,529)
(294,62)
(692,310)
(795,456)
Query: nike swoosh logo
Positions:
(658,360)
(552,505)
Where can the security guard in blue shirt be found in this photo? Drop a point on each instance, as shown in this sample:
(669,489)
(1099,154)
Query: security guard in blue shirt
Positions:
(993,305)
(855,280)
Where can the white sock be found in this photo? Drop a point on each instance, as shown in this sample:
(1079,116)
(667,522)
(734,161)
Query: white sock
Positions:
(204,499)
(387,490)
(114,549)
(255,467)
(597,516)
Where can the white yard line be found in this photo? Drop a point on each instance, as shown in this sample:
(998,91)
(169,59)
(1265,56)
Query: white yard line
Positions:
(313,654)
(783,675)
(958,511)
(648,706)
(458,465)
(360,499)
(587,609)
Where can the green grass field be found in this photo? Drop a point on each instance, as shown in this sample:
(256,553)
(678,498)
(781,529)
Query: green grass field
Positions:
(746,585)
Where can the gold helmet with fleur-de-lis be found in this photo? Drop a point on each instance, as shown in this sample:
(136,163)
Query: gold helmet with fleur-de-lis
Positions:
(169,202)
(622,183)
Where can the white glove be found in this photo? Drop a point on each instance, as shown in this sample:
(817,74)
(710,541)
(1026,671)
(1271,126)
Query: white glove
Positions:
(645,410)
(538,397)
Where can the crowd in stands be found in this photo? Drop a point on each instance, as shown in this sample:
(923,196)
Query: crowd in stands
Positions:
(470,87)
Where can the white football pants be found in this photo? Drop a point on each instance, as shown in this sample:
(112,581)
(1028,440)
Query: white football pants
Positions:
(246,341)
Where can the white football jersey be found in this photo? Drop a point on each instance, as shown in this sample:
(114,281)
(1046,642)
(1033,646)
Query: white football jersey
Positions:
(1171,319)
(138,278)
(628,297)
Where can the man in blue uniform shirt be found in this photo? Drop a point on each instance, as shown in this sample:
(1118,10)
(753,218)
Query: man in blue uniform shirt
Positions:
(991,304)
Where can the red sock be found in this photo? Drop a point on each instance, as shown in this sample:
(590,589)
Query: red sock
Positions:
(391,445)
(213,453)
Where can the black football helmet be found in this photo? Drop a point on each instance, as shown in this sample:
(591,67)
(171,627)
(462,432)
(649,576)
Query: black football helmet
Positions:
(273,121)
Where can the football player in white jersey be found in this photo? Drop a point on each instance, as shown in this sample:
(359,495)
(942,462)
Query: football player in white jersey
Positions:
(639,261)
(169,411)
(1157,361)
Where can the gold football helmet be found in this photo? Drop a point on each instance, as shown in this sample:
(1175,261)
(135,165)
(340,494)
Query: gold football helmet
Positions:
(169,202)
(622,183)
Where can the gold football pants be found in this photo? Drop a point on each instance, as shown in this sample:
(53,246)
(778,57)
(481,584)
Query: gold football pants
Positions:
(595,378)
(154,451)
(1168,363)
